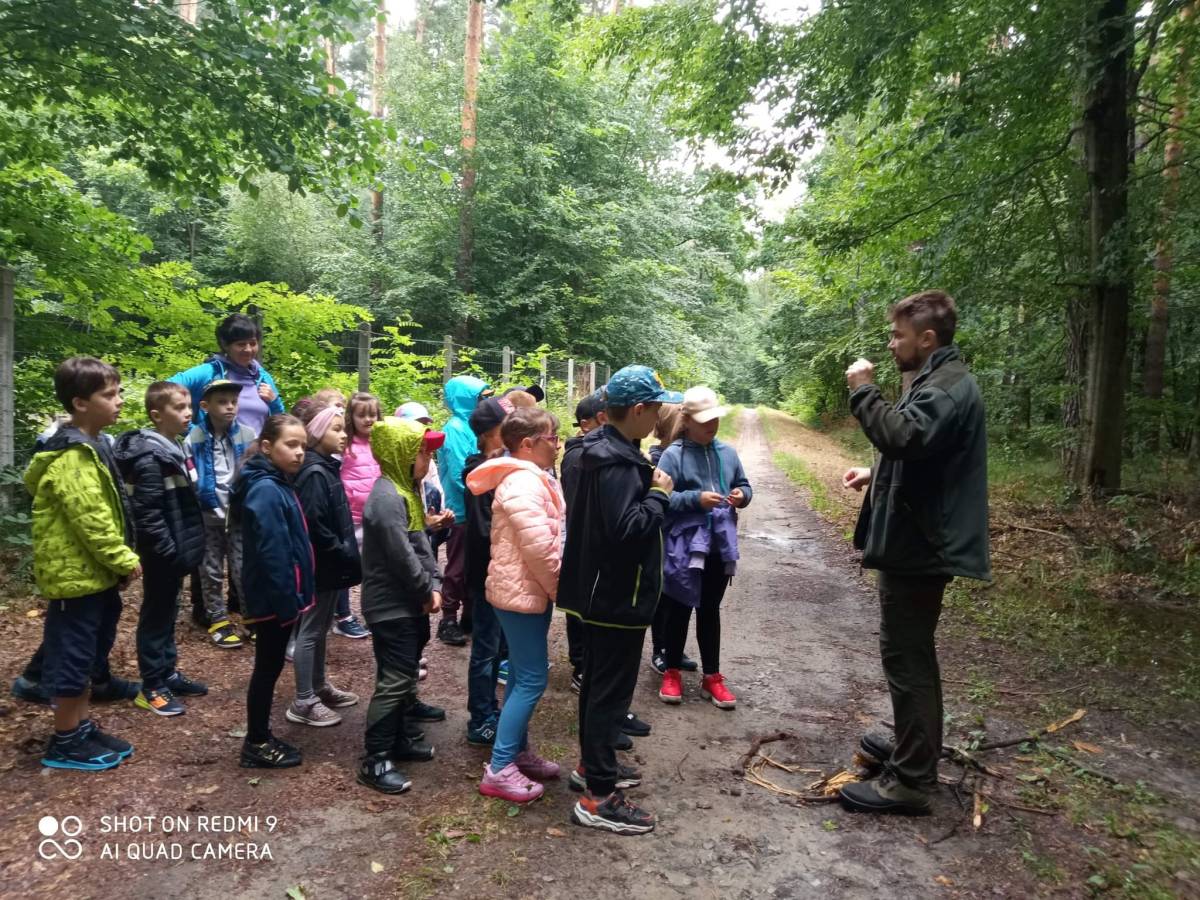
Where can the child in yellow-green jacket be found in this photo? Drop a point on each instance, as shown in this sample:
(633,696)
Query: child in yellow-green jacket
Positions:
(83,538)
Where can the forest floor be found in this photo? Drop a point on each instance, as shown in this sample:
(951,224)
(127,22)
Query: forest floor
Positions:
(1102,805)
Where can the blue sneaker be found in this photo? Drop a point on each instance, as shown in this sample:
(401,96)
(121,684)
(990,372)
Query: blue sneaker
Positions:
(483,736)
(502,672)
(79,751)
(109,742)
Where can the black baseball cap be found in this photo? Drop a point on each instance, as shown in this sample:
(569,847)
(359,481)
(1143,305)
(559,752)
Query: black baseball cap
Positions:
(589,407)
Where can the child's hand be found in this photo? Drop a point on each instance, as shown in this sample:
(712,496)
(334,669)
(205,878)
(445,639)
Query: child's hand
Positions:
(710,500)
(662,481)
(434,603)
(736,498)
(856,478)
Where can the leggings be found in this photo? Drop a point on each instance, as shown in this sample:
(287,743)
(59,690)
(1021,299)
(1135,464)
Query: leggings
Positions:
(526,634)
(308,658)
(270,647)
(708,619)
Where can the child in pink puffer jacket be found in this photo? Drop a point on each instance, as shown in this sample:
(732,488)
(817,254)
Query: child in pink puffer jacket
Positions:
(528,526)
(360,471)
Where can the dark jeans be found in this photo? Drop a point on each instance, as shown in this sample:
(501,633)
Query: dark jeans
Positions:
(77,632)
(157,654)
(485,662)
(35,668)
(910,607)
(343,603)
(270,649)
(398,644)
(575,645)
(454,579)
(713,583)
(611,657)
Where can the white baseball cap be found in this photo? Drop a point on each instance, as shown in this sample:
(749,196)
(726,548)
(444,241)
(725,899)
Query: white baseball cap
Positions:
(412,410)
(700,404)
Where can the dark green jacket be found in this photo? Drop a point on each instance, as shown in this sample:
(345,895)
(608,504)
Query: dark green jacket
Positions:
(926,512)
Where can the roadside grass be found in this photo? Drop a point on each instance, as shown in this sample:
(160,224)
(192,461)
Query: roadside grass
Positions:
(731,425)
(799,473)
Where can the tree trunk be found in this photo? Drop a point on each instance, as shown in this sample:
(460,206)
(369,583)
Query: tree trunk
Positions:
(466,243)
(1106,142)
(377,86)
(1156,334)
(422,20)
(189,10)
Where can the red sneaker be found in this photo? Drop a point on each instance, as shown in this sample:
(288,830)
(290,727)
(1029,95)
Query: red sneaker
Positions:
(672,687)
(713,688)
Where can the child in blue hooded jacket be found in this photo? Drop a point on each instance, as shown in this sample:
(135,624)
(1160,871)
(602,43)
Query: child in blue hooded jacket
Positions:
(278,575)
(462,395)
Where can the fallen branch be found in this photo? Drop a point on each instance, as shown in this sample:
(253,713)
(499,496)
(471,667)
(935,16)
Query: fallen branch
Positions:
(756,745)
(1014,691)
(1054,534)
(679,765)
(1086,770)
(1032,736)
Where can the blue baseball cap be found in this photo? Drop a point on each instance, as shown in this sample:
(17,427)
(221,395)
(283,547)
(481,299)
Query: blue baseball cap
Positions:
(639,384)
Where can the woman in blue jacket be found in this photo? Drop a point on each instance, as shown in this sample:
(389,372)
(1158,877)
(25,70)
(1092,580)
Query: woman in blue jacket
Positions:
(278,575)
(700,541)
(239,338)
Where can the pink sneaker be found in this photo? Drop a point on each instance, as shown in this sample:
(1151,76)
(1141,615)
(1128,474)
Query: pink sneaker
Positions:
(509,784)
(533,766)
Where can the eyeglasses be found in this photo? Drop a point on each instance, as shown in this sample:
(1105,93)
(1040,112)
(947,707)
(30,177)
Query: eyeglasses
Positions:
(551,438)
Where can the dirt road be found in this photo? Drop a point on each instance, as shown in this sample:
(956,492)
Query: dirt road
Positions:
(799,650)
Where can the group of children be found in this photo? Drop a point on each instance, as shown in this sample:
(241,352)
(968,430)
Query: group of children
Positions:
(332,496)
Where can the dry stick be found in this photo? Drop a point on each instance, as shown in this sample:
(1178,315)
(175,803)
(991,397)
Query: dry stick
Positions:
(757,743)
(1067,758)
(1015,692)
(1055,534)
(678,765)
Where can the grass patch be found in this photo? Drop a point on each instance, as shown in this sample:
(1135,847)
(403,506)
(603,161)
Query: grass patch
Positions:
(799,473)
(731,425)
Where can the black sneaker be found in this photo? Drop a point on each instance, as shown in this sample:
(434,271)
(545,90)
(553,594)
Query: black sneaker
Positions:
(413,731)
(885,794)
(110,742)
(412,751)
(449,633)
(688,664)
(635,727)
(29,691)
(161,702)
(79,752)
(272,754)
(423,712)
(483,736)
(576,682)
(379,772)
(114,690)
(658,662)
(624,742)
(612,813)
(183,686)
(466,624)
(627,777)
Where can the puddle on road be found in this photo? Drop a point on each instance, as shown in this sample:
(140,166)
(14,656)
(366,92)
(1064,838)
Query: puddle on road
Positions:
(783,541)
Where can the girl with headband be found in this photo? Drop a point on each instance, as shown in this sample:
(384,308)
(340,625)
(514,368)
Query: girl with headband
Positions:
(338,566)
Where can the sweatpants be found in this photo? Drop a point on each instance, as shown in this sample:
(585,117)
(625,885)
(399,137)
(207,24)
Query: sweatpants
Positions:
(575,645)
(527,677)
(270,647)
(454,579)
(156,650)
(611,657)
(220,545)
(910,607)
(308,658)
(713,584)
(397,644)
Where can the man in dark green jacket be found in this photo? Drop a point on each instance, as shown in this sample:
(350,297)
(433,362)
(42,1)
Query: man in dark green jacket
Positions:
(924,521)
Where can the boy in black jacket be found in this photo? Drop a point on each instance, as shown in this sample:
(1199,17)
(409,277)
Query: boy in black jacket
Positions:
(611,580)
(484,711)
(170,540)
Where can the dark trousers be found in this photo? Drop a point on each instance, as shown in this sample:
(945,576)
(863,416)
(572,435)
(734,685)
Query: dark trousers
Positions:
(485,662)
(270,649)
(156,650)
(713,583)
(575,645)
(454,579)
(611,657)
(35,668)
(658,628)
(343,604)
(910,607)
(397,644)
(76,633)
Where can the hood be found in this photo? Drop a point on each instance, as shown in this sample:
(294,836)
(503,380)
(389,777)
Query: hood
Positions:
(573,444)
(63,439)
(223,361)
(488,475)
(256,469)
(313,458)
(134,444)
(606,447)
(462,393)
(395,444)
